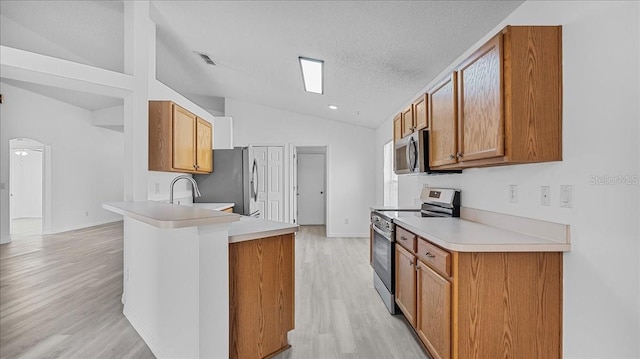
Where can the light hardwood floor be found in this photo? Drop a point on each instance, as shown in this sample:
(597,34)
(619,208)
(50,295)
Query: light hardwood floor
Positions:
(338,312)
(60,298)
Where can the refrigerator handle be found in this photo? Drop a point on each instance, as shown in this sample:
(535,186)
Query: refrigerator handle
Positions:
(254,180)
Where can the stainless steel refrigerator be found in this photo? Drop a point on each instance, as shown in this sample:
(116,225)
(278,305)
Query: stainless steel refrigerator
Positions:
(234,179)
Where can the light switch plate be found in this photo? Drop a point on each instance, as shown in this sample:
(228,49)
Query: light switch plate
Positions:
(513,193)
(566,196)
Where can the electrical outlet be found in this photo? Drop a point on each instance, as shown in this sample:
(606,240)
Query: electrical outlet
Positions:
(156,188)
(545,194)
(127,275)
(513,193)
(86,213)
(566,196)
(346,221)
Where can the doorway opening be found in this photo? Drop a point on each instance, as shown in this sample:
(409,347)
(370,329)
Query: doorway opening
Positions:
(26,182)
(311,186)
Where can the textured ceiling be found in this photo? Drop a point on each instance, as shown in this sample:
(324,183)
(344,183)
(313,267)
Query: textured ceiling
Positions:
(378,54)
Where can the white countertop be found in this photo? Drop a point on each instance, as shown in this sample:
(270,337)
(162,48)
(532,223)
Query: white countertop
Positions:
(249,228)
(460,235)
(394,208)
(165,215)
(212,206)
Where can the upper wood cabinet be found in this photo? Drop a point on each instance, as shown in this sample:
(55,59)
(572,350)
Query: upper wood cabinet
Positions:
(204,146)
(407,121)
(507,100)
(443,132)
(480,115)
(412,119)
(397,127)
(420,119)
(179,141)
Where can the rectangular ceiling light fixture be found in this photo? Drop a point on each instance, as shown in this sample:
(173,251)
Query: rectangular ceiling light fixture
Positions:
(312,74)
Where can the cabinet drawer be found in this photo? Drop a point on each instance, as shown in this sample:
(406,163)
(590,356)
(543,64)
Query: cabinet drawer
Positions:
(406,239)
(436,257)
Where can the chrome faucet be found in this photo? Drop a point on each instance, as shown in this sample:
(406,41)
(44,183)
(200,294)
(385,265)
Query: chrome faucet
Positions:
(194,185)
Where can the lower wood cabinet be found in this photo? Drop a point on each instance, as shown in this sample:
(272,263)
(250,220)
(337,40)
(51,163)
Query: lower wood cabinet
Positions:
(433,323)
(406,283)
(491,305)
(261,296)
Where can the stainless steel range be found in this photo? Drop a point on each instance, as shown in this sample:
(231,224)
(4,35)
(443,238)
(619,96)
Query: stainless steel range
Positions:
(437,202)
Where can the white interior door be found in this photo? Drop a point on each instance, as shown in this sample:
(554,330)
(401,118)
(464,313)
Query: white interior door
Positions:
(260,156)
(294,186)
(275,184)
(311,188)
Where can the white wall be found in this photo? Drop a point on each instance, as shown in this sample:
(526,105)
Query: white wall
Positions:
(601,42)
(87,161)
(350,162)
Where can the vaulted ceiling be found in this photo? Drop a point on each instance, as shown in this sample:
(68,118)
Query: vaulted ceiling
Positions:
(378,54)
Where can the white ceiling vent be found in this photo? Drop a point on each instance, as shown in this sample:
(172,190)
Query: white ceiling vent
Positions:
(206,58)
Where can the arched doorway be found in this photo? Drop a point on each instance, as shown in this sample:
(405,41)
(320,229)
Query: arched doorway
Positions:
(26,184)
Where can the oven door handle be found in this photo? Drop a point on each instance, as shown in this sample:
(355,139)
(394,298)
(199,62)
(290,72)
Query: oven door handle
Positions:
(386,235)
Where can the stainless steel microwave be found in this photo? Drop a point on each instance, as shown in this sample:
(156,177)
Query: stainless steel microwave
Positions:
(412,154)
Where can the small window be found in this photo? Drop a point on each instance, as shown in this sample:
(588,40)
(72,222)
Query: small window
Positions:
(390,186)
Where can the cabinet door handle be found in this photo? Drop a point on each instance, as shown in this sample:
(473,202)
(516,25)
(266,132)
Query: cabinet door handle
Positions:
(451,157)
(417,267)
(459,155)
(410,262)
(403,238)
(429,255)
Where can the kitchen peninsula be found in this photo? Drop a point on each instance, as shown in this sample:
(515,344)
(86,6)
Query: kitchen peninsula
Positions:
(185,275)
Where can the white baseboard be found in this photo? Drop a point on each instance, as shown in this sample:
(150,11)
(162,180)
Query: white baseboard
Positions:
(155,347)
(84,225)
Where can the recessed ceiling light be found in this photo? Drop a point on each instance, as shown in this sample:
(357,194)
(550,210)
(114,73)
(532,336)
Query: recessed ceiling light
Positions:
(312,74)
(333,107)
